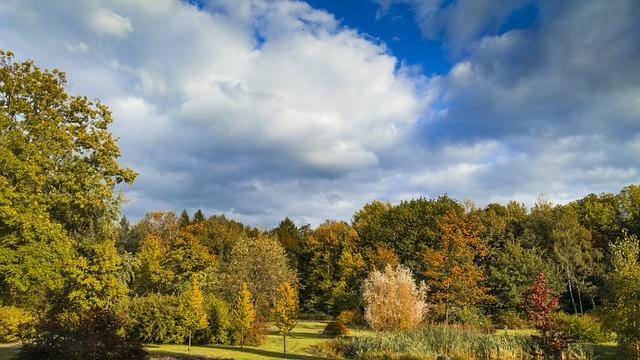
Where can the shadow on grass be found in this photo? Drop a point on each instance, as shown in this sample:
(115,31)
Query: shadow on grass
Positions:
(162,355)
(267,353)
(605,351)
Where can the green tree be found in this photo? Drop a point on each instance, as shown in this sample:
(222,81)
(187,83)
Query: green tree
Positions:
(285,312)
(511,271)
(195,318)
(58,171)
(184,219)
(335,270)
(243,314)
(290,238)
(198,216)
(572,251)
(261,264)
(622,303)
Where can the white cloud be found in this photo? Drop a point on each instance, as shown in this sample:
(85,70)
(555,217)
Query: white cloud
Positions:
(106,22)
(265,109)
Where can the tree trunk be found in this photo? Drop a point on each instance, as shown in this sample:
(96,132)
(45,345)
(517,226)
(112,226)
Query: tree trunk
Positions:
(284,342)
(189,347)
(573,300)
(446,313)
(579,299)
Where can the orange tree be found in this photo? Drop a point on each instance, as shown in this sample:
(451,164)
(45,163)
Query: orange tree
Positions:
(452,274)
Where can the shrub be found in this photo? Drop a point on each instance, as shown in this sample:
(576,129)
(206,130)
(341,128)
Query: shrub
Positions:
(156,319)
(580,328)
(512,320)
(335,329)
(352,317)
(88,335)
(472,317)
(13,323)
(219,318)
(393,301)
(257,335)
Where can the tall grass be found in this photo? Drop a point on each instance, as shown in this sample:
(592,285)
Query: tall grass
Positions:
(430,341)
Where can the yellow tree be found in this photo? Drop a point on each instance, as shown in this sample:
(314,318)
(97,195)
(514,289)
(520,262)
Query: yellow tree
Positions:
(243,313)
(285,312)
(452,276)
(194,314)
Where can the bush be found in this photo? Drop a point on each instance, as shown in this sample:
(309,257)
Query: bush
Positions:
(335,329)
(89,335)
(219,318)
(512,320)
(580,328)
(393,301)
(14,322)
(258,334)
(473,318)
(156,319)
(352,317)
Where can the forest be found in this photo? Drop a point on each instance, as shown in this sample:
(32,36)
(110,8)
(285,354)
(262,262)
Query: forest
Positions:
(422,278)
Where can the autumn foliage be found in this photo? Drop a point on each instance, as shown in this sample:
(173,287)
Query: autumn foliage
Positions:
(453,276)
(393,301)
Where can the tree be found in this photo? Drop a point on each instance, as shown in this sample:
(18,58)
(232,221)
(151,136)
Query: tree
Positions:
(261,264)
(452,274)
(573,253)
(335,270)
(285,312)
(541,307)
(243,314)
(290,238)
(511,271)
(622,303)
(407,228)
(198,217)
(194,315)
(392,299)
(58,172)
(184,219)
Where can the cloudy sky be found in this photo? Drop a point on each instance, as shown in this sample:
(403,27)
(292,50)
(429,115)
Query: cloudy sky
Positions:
(265,109)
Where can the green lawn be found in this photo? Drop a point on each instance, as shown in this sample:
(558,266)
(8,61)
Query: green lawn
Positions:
(8,351)
(305,334)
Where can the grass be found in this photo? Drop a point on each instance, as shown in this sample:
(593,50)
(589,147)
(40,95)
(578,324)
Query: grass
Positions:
(8,351)
(305,335)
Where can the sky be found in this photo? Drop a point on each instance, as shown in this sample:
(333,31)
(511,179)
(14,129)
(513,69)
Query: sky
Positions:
(264,109)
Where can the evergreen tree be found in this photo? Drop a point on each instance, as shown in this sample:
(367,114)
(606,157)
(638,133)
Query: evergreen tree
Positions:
(198,217)
(184,219)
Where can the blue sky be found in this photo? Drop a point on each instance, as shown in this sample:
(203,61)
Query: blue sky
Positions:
(264,109)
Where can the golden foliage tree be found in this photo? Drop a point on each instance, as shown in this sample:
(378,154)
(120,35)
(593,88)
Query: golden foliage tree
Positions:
(194,314)
(244,314)
(452,275)
(285,312)
(393,301)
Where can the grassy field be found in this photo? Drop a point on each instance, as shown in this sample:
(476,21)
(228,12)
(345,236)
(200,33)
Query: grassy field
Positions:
(305,334)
